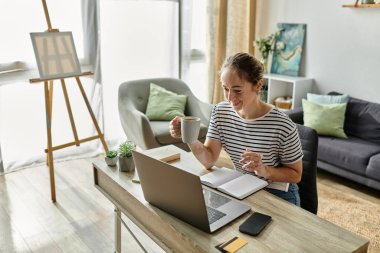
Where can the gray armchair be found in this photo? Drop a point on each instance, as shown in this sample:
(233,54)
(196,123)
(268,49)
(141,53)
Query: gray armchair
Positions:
(133,100)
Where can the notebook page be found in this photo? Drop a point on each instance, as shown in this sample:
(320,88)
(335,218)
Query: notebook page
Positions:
(219,177)
(243,186)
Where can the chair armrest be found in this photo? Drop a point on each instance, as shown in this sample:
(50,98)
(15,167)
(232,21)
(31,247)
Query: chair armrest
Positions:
(296,115)
(205,110)
(140,132)
(200,109)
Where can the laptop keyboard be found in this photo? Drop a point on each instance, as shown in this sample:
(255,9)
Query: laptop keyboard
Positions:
(214,215)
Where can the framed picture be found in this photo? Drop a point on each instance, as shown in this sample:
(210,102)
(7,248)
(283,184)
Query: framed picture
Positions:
(289,45)
(55,55)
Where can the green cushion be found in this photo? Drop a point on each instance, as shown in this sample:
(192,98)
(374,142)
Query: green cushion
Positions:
(325,119)
(164,104)
(327,99)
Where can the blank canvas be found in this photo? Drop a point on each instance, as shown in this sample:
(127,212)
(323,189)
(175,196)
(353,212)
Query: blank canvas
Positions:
(55,55)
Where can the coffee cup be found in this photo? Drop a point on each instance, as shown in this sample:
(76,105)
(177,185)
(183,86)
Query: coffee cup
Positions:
(190,129)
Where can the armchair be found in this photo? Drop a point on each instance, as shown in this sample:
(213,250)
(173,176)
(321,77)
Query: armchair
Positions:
(132,102)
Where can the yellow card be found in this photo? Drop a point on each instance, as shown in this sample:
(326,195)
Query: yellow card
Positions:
(235,245)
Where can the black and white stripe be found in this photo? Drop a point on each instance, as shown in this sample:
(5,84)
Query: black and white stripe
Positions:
(273,135)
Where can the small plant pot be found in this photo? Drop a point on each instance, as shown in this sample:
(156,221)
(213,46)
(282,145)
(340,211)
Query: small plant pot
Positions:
(111,161)
(126,164)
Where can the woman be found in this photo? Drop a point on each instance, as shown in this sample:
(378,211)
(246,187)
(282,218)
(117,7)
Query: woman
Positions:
(258,137)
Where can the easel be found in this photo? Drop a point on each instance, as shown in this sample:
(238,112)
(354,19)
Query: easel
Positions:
(48,87)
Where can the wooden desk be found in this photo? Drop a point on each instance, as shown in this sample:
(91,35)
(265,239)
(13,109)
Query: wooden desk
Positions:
(291,230)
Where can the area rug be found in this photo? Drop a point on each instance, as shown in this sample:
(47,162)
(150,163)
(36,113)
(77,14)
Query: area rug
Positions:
(353,211)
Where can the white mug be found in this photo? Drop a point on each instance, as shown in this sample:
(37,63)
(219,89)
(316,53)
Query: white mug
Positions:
(190,129)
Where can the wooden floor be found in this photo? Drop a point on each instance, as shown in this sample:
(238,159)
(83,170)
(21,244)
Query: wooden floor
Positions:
(81,221)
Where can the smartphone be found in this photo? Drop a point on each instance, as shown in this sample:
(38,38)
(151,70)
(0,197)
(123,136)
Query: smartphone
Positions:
(255,223)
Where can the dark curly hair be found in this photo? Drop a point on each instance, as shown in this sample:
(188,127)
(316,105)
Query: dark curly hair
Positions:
(247,67)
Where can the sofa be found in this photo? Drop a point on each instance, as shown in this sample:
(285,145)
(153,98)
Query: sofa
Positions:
(358,156)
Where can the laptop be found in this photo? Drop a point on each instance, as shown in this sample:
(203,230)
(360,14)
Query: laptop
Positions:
(181,194)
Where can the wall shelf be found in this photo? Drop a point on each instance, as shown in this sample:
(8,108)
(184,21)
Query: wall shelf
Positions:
(361,5)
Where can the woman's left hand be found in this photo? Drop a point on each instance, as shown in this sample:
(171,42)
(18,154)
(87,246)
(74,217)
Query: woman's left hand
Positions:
(253,163)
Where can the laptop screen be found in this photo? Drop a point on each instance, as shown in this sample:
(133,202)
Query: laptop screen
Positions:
(173,190)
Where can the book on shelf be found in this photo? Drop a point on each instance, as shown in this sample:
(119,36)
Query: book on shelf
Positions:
(238,184)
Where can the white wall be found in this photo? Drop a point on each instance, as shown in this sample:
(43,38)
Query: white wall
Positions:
(342,46)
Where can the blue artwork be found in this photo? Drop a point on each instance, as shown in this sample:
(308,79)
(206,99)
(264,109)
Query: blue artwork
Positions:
(289,43)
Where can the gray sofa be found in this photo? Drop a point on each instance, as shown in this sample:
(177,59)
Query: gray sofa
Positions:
(357,157)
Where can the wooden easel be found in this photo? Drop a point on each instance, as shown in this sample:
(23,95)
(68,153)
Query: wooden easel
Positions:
(48,87)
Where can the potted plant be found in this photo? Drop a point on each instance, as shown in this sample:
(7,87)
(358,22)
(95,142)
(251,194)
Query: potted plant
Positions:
(266,46)
(125,156)
(111,157)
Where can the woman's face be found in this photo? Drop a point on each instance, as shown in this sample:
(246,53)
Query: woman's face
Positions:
(238,92)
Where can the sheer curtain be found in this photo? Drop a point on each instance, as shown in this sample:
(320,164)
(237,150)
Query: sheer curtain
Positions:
(22,108)
(120,40)
(1,163)
(139,39)
(230,30)
(197,73)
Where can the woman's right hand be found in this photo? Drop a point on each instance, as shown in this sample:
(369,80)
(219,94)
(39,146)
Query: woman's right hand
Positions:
(175,127)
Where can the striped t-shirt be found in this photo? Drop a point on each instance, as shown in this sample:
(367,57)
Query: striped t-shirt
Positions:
(273,135)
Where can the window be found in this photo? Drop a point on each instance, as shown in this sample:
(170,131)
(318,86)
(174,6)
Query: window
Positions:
(139,39)
(198,76)
(22,106)
(15,43)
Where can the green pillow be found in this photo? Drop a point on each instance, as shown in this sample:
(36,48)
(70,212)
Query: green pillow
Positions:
(327,99)
(164,104)
(325,119)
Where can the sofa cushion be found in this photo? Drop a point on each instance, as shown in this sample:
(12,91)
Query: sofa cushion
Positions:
(373,169)
(352,153)
(363,120)
(161,131)
(327,99)
(326,119)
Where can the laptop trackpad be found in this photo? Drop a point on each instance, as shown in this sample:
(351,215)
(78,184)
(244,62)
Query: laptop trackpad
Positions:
(214,200)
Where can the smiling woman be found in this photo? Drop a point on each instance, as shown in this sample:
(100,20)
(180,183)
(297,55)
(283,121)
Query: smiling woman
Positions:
(259,139)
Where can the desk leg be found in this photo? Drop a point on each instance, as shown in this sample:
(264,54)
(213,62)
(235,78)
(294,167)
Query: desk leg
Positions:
(117,214)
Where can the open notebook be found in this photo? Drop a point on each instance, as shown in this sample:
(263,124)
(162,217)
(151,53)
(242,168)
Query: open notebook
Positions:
(238,184)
